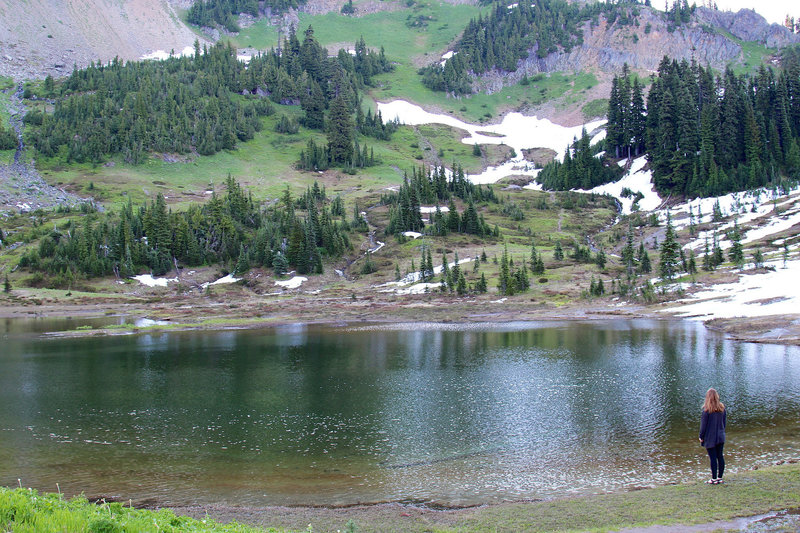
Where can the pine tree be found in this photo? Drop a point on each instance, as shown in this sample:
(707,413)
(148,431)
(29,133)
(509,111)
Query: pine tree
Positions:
(340,131)
(482,286)
(736,252)
(758,259)
(558,252)
(628,252)
(669,253)
(6,285)
(504,283)
(243,263)
(600,259)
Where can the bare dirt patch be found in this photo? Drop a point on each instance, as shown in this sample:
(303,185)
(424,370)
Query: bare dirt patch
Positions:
(539,156)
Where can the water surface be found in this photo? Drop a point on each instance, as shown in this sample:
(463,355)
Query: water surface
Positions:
(451,415)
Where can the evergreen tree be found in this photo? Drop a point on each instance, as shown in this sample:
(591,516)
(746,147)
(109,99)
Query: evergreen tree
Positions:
(600,259)
(736,252)
(6,285)
(628,252)
(758,259)
(558,252)
(482,286)
(340,132)
(669,253)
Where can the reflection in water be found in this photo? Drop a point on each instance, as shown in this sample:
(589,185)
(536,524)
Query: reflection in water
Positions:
(449,414)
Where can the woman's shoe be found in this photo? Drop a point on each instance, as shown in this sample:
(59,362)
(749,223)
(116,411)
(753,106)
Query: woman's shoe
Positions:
(719,481)
(711,482)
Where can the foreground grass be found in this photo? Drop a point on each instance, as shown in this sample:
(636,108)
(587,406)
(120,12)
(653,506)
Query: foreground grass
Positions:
(23,510)
(745,494)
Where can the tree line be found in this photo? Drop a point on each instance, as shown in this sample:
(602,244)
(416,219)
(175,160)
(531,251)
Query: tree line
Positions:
(230,230)
(707,135)
(226,12)
(509,34)
(583,167)
(432,185)
(206,102)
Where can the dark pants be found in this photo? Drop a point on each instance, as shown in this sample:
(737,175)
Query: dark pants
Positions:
(717,461)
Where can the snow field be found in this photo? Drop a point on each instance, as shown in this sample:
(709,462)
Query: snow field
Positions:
(293,283)
(752,295)
(637,180)
(516,130)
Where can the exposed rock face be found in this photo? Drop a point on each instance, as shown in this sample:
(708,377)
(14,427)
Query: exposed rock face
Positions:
(41,37)
(607,48)
(748,25)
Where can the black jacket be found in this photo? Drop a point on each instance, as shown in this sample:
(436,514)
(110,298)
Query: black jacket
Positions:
(712,428)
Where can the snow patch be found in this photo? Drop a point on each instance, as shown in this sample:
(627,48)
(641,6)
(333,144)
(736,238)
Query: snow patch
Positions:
(425,210)
(637,180)
(414,277)
(222,281)
(412,234)
(293,283)
(150,281)
(160,55)
(752,295)
(516,130)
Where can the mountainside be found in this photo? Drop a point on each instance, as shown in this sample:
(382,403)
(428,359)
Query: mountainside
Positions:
(41,37)
(607,46)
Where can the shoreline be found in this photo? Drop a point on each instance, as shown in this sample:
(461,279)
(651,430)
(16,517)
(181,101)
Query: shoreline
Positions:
(544,514)
(247,311)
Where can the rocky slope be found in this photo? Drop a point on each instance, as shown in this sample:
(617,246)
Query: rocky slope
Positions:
(607,47)
(41,37)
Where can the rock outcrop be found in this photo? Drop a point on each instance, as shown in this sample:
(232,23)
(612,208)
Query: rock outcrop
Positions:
(748,25)
(606,48)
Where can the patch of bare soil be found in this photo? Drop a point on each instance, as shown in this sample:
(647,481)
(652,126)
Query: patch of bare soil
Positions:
(539,156)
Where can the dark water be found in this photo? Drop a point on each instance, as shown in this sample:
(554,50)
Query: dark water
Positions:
(440,414)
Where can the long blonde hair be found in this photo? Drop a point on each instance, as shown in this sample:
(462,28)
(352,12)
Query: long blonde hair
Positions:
(712,403)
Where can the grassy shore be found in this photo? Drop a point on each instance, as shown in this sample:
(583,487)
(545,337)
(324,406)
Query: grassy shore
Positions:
(745,494)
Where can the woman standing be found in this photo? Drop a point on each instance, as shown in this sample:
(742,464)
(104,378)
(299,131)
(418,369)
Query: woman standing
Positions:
(712,434)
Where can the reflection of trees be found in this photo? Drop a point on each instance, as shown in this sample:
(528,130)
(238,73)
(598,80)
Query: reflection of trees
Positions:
(368,396)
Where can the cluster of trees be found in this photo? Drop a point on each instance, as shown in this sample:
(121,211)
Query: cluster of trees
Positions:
(792,24)
(580,169)
(229,229)
(224,12)
(679,13)
(177,105)
(707,135)
(207,102)
(626,111)
(431,185)
(453,277)
(509,34)
(512,279)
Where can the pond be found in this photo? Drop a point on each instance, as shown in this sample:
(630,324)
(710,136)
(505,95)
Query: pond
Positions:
(431,413)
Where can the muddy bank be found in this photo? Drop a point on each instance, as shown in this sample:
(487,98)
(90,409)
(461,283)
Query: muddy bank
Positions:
(239,308)
(680,507)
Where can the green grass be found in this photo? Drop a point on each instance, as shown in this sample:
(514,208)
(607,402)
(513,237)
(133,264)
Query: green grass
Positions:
(595,108)
(754,54)
(23,510)
(6,83)
(413,47)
